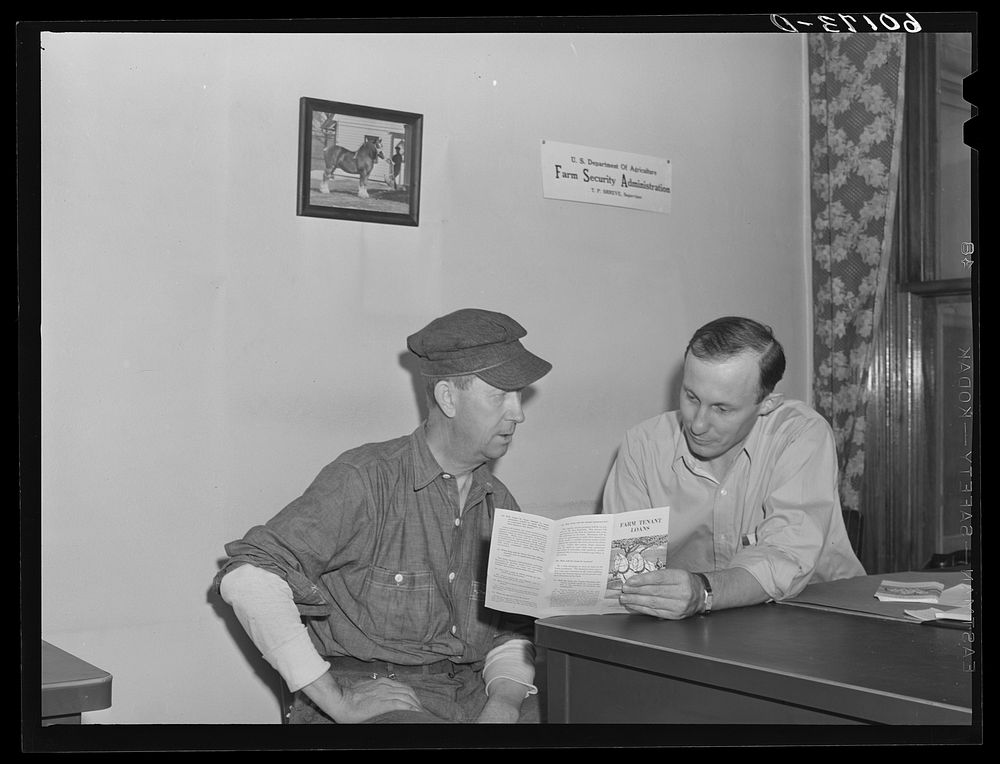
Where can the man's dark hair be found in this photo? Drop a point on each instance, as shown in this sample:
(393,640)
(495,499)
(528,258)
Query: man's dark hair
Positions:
(731,335)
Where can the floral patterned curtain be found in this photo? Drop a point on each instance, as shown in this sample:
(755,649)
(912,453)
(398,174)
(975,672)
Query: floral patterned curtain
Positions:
(856,100)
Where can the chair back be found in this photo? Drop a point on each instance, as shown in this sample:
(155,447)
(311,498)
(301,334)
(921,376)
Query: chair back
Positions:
(854,522)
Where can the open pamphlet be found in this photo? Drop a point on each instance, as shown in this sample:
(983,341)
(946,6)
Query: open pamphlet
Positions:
(572,566)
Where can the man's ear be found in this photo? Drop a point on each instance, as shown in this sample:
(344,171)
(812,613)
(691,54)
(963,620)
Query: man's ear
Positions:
(770,403)
(444,396)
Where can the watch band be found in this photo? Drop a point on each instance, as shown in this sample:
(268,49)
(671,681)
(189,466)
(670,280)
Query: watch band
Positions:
(707,602)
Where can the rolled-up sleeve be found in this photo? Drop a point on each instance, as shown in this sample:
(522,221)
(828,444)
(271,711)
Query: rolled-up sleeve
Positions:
(299,542)
(799,510)
(513,627)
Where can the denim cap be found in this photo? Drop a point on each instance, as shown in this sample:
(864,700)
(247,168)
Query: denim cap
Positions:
(480,342)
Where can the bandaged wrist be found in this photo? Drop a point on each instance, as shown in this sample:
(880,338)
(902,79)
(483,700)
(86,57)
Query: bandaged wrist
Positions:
(514,660)
(264,605)
(297,661)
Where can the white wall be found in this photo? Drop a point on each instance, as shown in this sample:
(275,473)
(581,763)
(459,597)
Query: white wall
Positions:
(205,351)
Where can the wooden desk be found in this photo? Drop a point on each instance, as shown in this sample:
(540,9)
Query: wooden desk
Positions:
(767,664)
(70,686)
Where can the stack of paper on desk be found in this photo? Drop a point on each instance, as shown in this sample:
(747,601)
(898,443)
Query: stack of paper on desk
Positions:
(958,600)
(909,591)
(857,595)
(937,614)
(959,596)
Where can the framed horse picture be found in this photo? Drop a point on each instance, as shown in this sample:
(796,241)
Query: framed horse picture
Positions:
(359,162)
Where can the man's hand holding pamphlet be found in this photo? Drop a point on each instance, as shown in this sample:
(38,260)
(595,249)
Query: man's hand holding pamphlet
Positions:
(573,566)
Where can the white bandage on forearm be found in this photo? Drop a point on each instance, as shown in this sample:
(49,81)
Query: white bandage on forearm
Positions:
(514,660)
(263,603)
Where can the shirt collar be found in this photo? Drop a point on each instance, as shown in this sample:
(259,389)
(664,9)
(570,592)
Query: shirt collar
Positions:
(681,451)
(751,444)
(425,466)
(426,469)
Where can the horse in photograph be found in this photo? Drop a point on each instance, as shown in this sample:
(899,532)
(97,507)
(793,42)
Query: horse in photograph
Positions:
(360,163)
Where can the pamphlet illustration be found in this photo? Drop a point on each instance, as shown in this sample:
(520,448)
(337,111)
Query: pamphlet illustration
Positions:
(572,566)
(630,556)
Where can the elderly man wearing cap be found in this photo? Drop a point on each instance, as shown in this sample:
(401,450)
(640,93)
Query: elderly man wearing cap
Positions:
(384,555)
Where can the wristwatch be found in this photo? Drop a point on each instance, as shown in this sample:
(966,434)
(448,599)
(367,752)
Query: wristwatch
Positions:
(707,602)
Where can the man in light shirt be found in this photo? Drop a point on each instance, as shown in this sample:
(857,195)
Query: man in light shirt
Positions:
(384,556)
(750,479)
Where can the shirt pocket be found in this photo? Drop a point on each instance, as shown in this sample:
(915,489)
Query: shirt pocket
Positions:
(402,605)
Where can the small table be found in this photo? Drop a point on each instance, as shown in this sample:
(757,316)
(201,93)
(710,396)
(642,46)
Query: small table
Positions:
(765,664)
(70,686)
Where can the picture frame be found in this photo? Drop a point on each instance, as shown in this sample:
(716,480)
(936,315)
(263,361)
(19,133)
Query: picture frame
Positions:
(358,162)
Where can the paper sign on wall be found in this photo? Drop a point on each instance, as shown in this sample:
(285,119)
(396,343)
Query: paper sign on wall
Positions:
(602,176)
